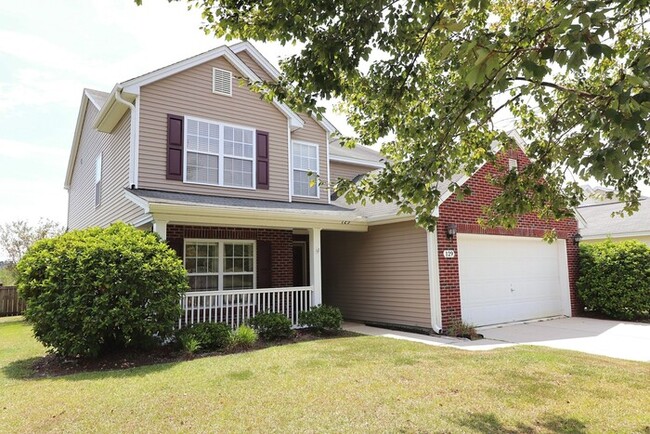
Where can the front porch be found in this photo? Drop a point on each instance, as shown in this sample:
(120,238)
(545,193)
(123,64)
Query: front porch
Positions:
(236,273)
(244,256)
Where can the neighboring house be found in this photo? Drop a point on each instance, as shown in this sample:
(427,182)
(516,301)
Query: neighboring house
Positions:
(189,152)
(601,224)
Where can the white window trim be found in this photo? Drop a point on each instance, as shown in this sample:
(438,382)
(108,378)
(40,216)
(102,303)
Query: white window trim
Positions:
(315,145)
(220,249)
(214,71)
(221,154)
(98,180)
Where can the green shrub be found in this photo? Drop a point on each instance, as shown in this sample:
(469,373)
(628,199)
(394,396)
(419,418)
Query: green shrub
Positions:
(189,343)
(243,337)
(210,336)
(271,326)
(93,290)
(322,319)
(615,279)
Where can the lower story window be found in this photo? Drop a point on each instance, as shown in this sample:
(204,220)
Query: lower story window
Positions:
(214,265)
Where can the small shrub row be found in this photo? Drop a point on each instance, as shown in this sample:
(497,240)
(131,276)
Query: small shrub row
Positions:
(268,326)
(322,319)
(215,336)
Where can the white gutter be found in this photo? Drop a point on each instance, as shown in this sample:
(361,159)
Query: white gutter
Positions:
(133,145)
(351,160)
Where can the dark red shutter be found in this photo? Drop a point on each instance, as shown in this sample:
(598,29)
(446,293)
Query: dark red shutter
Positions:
(264,264)
(176,244)
(262,139)
(175,147)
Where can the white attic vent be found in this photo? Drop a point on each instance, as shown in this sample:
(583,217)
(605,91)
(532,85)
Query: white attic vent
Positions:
(512,163)
(221,82)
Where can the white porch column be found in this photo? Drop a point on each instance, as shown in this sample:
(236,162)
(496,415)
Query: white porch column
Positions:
(160,227)
(315,266)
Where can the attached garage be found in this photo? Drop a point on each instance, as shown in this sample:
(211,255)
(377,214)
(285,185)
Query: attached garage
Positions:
(506,278)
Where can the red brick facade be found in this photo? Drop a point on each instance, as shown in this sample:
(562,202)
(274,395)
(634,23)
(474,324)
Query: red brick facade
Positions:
(281,242)
(465,214)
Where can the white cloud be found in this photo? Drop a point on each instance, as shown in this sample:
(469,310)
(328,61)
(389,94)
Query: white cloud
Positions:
(38,87)
(14,149)
(25,199)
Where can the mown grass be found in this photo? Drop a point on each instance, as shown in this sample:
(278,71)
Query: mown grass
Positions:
(358,384)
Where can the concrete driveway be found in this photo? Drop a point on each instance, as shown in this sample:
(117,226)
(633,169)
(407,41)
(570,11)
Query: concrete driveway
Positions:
(621,340)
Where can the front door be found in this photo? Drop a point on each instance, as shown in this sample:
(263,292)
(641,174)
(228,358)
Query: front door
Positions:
(300,273)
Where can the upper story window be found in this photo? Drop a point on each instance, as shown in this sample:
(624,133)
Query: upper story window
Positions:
(512,164)
(305,169)
(98,180)
(218,154)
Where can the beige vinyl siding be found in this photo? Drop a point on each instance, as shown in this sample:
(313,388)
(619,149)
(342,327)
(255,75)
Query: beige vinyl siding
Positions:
(115,176)
(254,66)
(314,133)
(349,171)
(381,275)
(189,93)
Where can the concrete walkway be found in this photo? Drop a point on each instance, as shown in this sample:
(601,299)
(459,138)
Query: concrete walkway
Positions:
(621,340)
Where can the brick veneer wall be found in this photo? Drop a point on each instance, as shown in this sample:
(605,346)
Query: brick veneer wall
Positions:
(281,246)
(465,214)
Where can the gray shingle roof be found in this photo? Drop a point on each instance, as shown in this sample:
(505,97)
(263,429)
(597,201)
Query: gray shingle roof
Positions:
(158,196)
(383,209)
(600,222)
(361,153)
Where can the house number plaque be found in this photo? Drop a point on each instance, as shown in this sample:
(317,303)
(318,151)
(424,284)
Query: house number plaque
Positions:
(448,253)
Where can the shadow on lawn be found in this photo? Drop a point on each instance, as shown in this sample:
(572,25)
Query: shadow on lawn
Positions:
(35,368)
(490,423)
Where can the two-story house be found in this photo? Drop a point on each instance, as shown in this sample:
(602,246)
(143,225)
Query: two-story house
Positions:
(228,179)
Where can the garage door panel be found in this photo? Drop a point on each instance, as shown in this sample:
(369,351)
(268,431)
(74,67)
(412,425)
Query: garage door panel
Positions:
(505,279)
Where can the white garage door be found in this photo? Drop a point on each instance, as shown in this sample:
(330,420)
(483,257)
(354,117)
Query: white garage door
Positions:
(505,279)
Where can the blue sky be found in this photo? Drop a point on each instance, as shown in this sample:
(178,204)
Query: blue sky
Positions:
(50,51)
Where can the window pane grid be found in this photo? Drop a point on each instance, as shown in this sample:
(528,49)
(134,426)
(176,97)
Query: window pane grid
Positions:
(305,161)
(238,266)
(202,264)
(213,147)
(205,265)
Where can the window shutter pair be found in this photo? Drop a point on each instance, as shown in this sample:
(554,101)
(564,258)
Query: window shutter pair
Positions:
(175,144)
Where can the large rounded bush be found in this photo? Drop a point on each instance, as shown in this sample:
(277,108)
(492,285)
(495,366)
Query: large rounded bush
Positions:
(615,279)
(93,290)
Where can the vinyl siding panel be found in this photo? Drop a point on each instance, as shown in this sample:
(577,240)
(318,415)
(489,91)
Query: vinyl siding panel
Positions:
(253,65)
(381,275)
(346,170)
(189,93)
(314,133)
(115,176)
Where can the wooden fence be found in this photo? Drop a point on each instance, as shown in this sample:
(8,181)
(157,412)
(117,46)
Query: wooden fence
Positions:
(10,303)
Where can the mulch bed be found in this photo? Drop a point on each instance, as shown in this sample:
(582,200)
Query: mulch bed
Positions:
(56,366)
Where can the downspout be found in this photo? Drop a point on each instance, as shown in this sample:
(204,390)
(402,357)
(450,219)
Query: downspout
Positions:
(434,278)
(133,148)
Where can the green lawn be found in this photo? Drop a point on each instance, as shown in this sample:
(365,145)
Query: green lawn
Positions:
(358,384)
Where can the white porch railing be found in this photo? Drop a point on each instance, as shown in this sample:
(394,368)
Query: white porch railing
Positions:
(236,307)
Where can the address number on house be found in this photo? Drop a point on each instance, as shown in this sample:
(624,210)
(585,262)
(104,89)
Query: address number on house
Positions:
(448,253)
